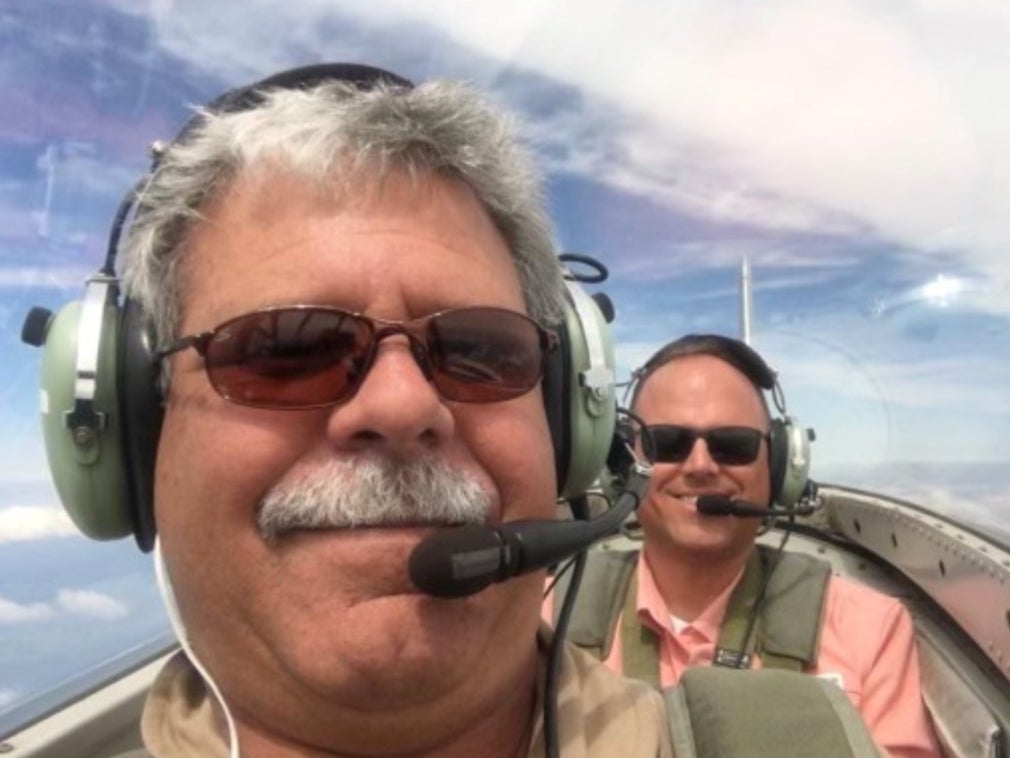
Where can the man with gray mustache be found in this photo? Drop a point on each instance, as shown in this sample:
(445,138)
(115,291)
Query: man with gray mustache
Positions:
(351,281)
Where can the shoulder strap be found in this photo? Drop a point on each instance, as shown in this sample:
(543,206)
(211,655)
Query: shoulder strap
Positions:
(605,583)
(729,649)
(639,643)
(787,630)
(793,611)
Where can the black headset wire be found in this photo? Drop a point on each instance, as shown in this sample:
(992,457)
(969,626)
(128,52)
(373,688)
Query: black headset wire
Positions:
(558,574)
(599,272)
(580,509)
(756,608)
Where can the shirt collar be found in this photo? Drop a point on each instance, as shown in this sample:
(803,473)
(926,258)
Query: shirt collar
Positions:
(652,609)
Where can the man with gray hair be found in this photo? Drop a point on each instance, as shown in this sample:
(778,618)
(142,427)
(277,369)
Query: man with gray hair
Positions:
(350,281)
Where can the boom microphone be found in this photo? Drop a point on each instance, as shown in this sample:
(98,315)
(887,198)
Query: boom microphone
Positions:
(464,560)
(717,505)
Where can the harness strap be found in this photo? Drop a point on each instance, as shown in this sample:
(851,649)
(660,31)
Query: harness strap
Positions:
(605,586)
(639,643)
(729,648)
(786,633)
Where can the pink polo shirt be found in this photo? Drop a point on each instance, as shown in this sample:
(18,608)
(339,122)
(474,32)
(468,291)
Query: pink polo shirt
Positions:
(867,645)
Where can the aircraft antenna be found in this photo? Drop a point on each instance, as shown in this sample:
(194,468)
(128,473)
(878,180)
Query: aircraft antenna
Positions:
(746,301)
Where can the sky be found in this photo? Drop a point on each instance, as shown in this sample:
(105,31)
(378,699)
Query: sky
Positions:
(855,152)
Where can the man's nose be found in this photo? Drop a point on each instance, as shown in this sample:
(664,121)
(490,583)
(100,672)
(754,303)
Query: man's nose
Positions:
(700,461)
(396,408)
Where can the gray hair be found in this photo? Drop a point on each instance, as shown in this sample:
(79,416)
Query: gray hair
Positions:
(337,132)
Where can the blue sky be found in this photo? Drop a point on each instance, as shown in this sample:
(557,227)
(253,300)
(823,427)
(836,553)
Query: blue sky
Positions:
(856,154)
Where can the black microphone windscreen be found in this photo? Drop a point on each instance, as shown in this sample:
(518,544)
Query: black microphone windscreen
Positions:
(463,560)
(456,562)
(717,505)
(714,505)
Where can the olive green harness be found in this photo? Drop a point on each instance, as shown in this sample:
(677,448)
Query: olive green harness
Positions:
(717,711)
(786,629)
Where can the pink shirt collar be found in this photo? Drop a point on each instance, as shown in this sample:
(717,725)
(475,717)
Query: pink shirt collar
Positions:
(652,608)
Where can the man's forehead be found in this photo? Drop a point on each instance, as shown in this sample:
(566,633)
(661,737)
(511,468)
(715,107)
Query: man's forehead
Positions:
(266,226)
(687,383)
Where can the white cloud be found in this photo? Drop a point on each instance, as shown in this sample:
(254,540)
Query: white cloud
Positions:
(987,10)
(795,281)
(91,174)
(86,603)
(12,612)
(629,355)
(682,258)
(8,696)
(782,113)
(901,376)
(24,466)
(20,523)
(90,603)
(924,382)
(57,277)
(654,160)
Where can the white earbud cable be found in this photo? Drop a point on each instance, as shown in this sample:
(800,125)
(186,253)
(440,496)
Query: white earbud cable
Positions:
(168,598)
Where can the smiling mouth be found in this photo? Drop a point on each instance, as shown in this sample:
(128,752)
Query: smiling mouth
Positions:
(692,498)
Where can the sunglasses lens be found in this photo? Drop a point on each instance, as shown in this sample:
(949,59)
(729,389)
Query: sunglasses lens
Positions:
(288,358)
(728,445)
(485,355)
(668,444)
(734,446)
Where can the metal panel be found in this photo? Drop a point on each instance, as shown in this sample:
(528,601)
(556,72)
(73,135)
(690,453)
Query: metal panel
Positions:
(966,574)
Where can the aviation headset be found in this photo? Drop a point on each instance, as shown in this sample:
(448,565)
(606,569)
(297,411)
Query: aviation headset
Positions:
(100,400)
(788,441)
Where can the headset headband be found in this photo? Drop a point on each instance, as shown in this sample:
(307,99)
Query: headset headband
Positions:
(736,353)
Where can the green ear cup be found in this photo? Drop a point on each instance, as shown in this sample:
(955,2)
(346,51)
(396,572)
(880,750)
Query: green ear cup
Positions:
(86,466)
(592,397)
(795,466)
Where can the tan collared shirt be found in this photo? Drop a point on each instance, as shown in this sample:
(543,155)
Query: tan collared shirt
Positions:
(600,715)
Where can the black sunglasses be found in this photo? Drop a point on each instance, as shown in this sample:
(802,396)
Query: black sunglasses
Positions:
(309,356)
(727,445)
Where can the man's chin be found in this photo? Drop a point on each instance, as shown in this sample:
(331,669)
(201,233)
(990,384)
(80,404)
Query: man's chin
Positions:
(346,616)
(699,535)
(391,651)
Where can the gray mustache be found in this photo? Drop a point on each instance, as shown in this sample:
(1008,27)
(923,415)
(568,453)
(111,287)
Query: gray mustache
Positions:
(373,492)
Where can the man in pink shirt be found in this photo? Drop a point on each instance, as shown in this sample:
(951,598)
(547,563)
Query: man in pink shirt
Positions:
(701,399)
